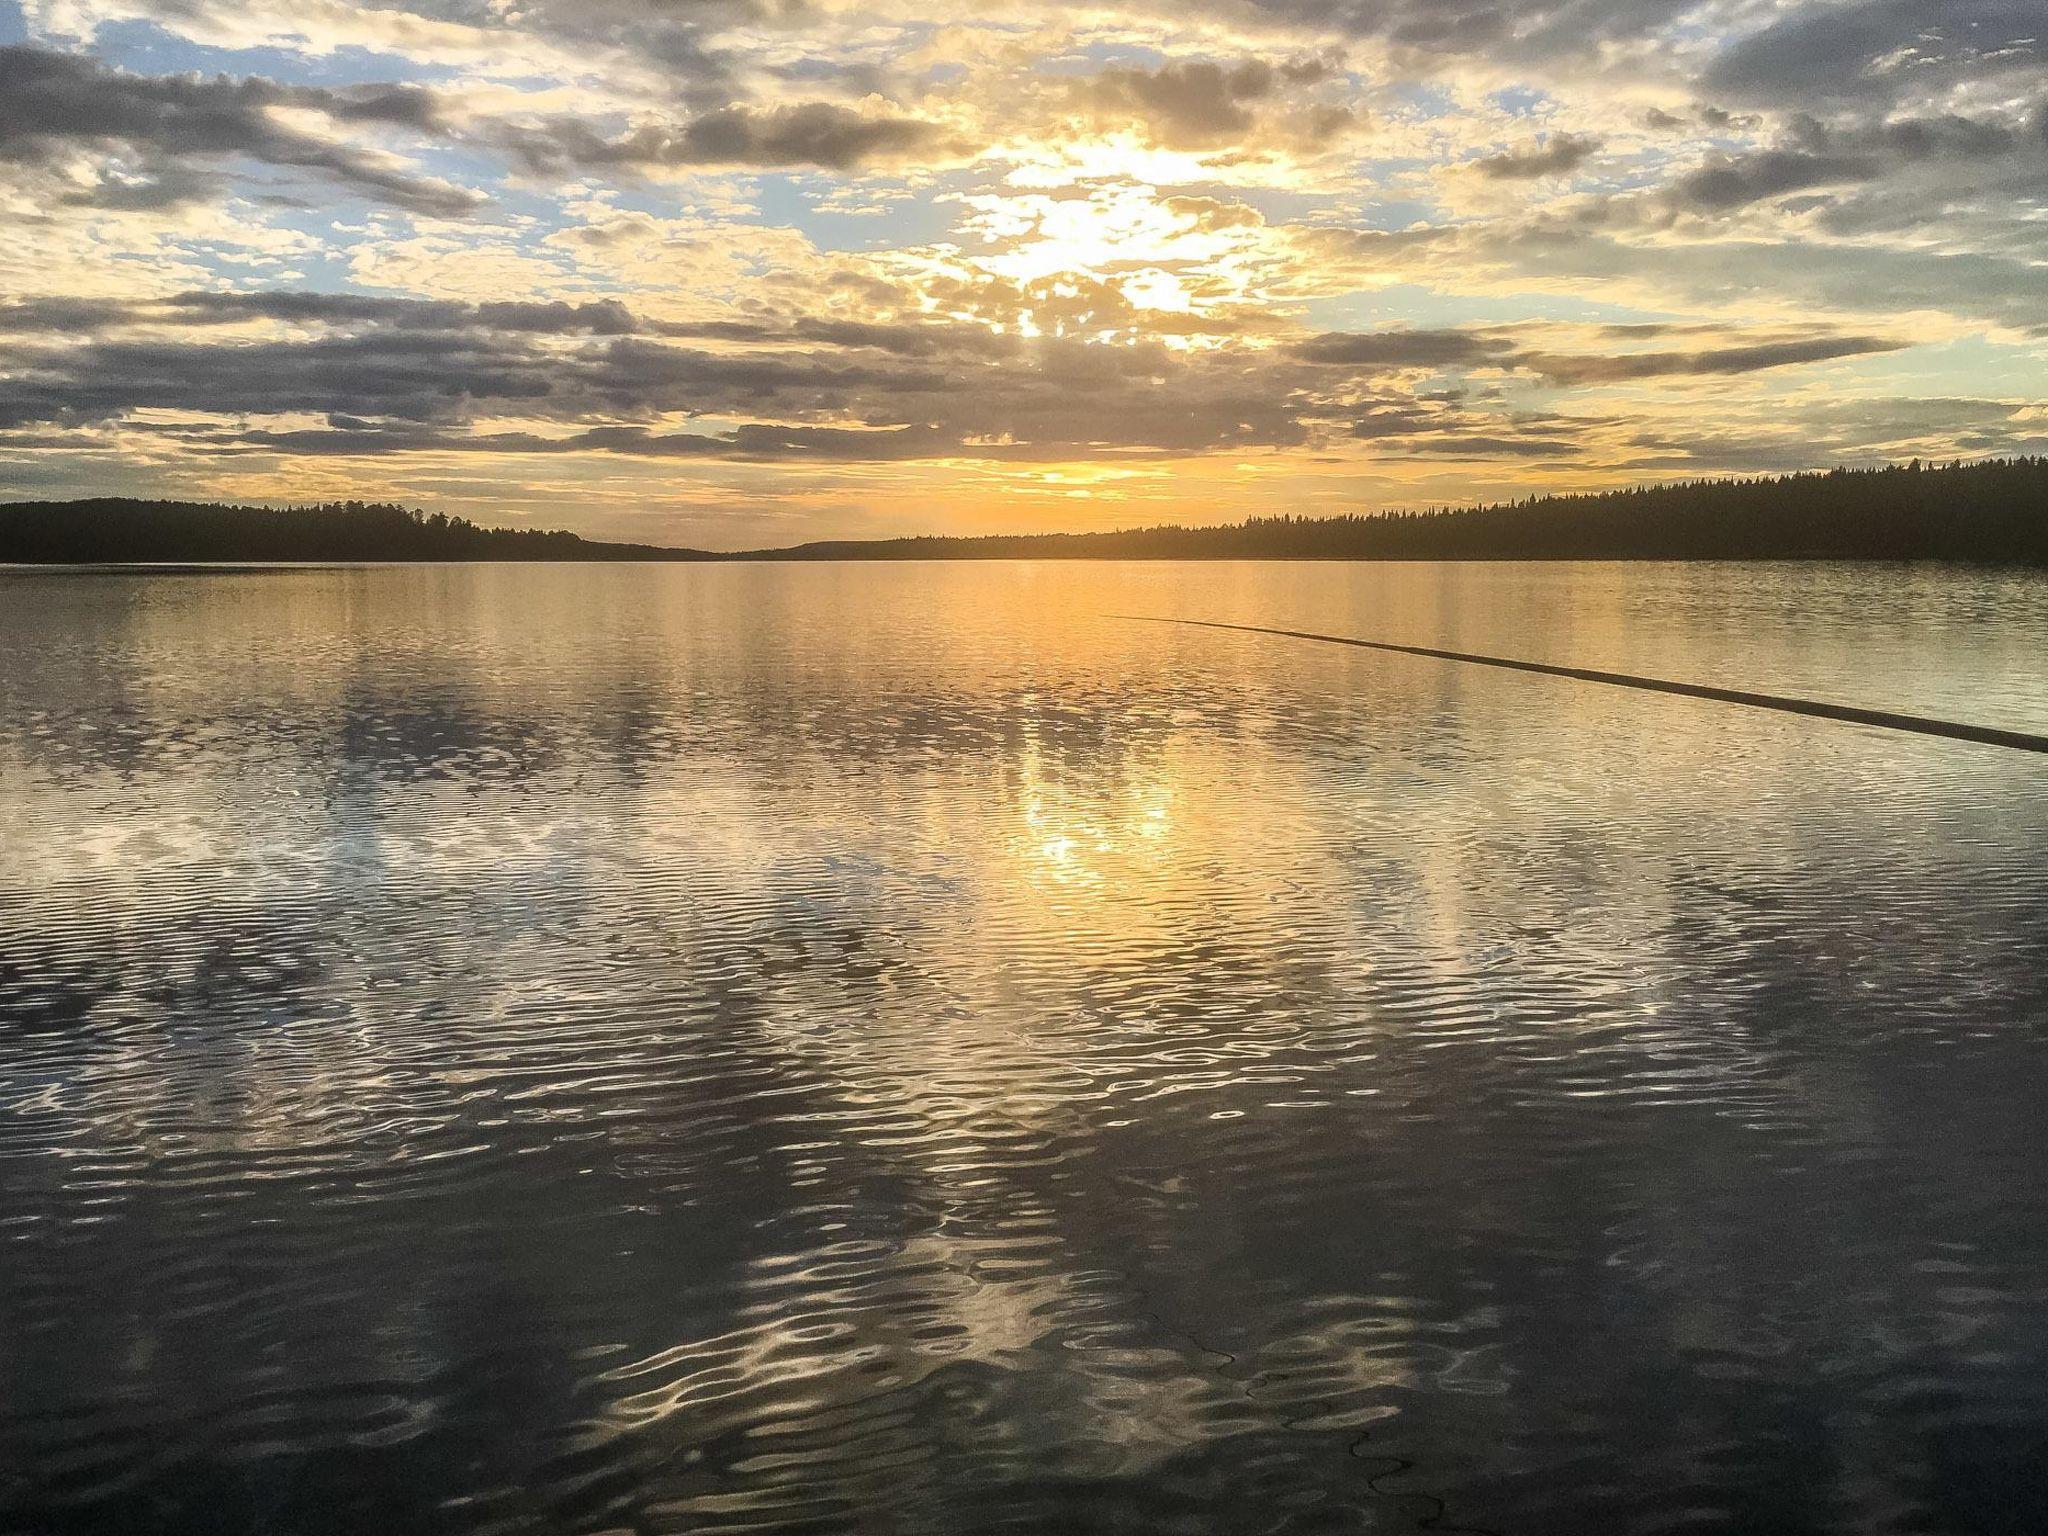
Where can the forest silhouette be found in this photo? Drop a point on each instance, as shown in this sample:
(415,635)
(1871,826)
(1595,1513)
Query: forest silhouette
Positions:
(120,530)
(1992,511)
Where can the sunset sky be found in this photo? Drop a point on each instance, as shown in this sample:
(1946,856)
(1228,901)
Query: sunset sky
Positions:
(738,274)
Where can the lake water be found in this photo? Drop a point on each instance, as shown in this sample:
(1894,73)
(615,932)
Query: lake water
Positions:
(896,1049)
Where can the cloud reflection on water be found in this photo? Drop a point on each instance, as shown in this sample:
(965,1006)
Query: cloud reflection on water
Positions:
(702,1049)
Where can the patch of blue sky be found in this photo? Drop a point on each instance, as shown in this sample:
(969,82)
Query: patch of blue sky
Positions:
(1423,99)
(475,169)
(1092,57)
(1277,205)
(1387,214)
(1706,25)
(13,25)
(1521,101)
(1412,304)
(806,204)
(536,215)
(325,269)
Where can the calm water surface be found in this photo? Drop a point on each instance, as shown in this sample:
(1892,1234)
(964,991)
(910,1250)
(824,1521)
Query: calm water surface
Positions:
(893,1049)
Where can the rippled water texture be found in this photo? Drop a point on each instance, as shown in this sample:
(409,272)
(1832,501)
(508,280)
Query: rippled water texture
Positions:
(891,1049)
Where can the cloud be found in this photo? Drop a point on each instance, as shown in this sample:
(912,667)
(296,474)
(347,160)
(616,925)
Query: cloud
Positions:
(816,133)
(1304,103)
(1400,349)
(603,317)
(561,318)
(1818,154)
(1391,421)
(1879,52)
(1476,445)
(61,315)
(1041,235)
(414,376)
(1556,156)
(820,134)
(1191,105)
(52,104)
(1737,181)
(924,339)
(300,308)
(1423,31)
(394,376)
(1714,360)
(754,441)
(1397,350)
(1757,273)
(557,367)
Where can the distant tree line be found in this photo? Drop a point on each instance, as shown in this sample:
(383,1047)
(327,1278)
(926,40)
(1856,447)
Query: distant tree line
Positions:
(1992,511)
(118,529)
(1995,510)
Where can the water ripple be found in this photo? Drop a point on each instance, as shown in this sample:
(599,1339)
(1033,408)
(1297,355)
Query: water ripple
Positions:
(738,1050)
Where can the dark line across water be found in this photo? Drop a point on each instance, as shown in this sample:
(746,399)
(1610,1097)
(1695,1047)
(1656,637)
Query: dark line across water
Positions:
(1884,719)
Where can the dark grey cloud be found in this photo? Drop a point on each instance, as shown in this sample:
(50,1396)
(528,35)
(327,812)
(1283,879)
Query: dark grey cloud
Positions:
(691,41)
(1392,421)
(1951,136)
(62,315)
(815,133)
(602,317)
(1395,350)
(415,388)
(1484,445)
(1556,155)
(415,376)
(1401,349)
(165,185)
(52,103)
(820,134)
(435,377)
(301,308)
(1521,30)
(1726,181)
(751,441)
(1195,104)
(928,339)
(1883,51)
(1186,105)
(631,375)
(1713,360)
(390,376)
(591,318)
(1816,154)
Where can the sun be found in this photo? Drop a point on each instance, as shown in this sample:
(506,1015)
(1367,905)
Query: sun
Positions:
(1162,253)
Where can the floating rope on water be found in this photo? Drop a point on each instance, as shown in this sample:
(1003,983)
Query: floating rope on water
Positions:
(1919,725)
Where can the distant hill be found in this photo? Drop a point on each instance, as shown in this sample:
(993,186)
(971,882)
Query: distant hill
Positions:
(1995,511)
(115,530)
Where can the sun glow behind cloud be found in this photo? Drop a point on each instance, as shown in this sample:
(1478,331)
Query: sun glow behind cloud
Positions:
(739,275)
